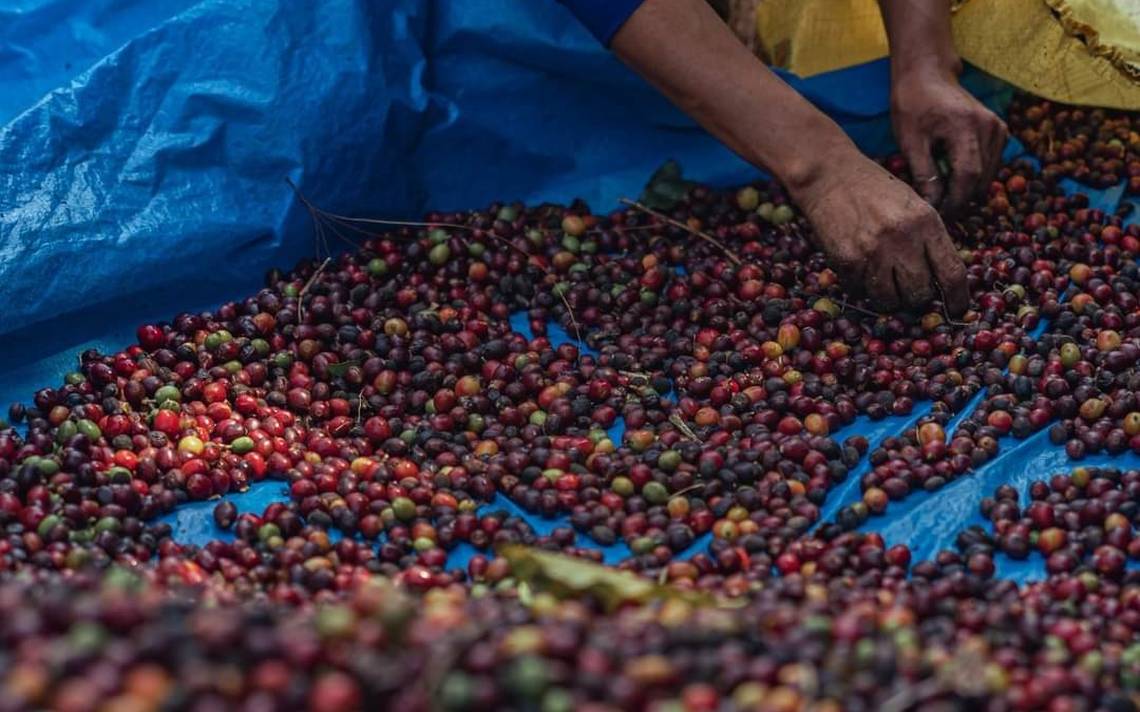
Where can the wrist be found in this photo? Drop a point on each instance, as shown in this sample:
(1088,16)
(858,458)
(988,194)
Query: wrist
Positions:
(806,174)
(911,87)
(803,158)
(925,66)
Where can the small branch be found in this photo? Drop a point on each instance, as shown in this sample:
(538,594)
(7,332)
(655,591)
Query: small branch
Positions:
(685,491)
(305,289)
(845,305)
(684,429)
(911,696)
(945,311)
(676,223)
(574,322)
(348,222)
(369,221)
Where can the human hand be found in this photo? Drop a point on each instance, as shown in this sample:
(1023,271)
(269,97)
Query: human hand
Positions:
(929,109)
(881,238)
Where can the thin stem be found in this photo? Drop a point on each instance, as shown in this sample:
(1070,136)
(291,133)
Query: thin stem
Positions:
(845,305)
(305,289)
(945,311)
(676,223)
(347,221)
(691,488)
(684,428)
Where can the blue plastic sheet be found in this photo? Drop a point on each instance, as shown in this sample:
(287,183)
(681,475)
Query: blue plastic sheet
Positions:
(144,149)
(157,170)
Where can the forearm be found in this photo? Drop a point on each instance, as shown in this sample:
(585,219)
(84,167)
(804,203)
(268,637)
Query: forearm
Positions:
(690,55)
(919,36)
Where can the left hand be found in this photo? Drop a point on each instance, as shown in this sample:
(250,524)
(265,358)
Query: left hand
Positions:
(930,109)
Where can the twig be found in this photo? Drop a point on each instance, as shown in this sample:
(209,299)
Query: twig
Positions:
(301,294)
(369,221)
(347,222)
(676,223)
(686,490)
(574,323)
(844,304)
(912,695)
(314,215)
(621,228)
(945,311)
(680,425)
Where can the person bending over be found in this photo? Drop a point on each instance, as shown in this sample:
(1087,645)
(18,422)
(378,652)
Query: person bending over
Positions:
(881,237)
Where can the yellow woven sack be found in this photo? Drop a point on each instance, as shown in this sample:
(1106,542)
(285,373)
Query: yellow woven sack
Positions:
(1075,51)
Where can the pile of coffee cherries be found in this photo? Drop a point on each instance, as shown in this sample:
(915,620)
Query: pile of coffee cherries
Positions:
(696,416)
(1097,147)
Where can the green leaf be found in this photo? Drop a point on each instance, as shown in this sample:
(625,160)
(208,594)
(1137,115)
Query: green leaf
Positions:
(337,370)
(666,187)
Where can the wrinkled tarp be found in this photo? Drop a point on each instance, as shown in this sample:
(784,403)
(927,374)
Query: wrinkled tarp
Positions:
(144,148)
(157,169)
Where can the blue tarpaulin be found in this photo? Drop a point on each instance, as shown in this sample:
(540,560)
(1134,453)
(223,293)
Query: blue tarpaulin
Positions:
(144,151)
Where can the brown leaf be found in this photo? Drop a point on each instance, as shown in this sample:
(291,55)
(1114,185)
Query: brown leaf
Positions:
(568,577)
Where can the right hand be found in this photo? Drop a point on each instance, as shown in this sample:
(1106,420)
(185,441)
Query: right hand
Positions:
(929,107)
(882,239)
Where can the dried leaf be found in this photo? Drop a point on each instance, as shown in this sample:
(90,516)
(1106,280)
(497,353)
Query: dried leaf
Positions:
(567,577)
(685,430)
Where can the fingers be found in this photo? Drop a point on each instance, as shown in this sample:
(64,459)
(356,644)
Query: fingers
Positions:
(881,287)
(851,268)
(997,135)
(913,281)
(967,166)
(975,156)
(927,182)
(949,271)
